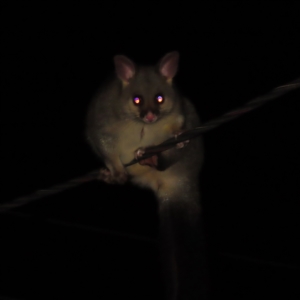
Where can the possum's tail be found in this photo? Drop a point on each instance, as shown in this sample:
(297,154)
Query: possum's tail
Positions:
(182,244)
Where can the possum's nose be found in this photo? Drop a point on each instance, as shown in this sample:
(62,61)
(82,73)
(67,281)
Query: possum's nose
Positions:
(150,117)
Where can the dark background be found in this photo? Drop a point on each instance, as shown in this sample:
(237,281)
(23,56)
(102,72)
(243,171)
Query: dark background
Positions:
(98,241)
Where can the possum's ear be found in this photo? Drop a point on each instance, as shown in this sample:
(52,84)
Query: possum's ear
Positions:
(125,68)
(168,65)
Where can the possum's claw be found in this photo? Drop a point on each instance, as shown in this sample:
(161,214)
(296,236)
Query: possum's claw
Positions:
(181,144)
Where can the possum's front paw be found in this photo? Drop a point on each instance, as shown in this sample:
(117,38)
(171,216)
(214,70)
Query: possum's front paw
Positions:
(181,144)
(151,161)
(116,178)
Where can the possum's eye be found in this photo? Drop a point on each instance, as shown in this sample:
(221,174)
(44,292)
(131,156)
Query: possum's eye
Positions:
(137,100)
(159,99)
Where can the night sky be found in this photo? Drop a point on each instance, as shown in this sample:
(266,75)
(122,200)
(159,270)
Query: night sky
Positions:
(98,241)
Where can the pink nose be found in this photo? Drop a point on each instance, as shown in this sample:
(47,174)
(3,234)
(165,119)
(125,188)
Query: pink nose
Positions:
(150,117)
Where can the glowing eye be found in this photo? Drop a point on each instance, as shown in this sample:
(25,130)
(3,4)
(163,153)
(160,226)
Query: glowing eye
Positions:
(137,100)
(160,99)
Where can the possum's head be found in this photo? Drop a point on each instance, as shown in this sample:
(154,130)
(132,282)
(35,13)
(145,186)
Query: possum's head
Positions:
(147,92)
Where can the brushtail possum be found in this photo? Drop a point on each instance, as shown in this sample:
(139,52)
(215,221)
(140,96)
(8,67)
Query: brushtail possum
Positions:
(140,107)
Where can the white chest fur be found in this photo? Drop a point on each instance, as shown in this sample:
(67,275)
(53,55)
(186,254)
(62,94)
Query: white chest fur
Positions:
(135,135)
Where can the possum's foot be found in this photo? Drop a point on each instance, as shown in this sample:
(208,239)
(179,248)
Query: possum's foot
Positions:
(150,161)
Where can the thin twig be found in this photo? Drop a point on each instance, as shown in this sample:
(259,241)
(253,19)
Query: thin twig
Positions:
(190,134)
(39,194)
(150,151)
